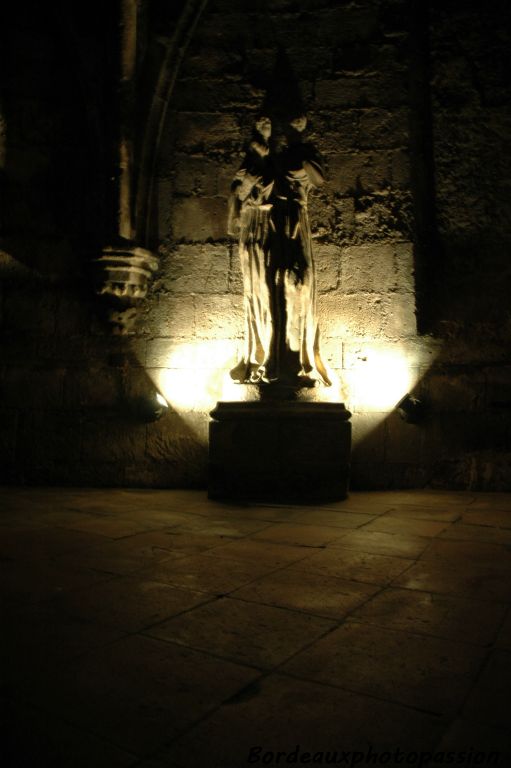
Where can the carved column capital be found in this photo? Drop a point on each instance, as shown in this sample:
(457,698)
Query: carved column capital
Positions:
(122,275)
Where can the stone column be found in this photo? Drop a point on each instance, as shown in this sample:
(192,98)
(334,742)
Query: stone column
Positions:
(125,268)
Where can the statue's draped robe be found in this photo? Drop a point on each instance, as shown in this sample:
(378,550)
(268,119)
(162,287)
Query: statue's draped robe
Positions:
(281,341)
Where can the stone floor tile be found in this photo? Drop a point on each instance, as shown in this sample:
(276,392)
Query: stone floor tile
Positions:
(251,550)
(299,535)
(428,673)
(32,737)
(439,512)
(479,552)
(490,500)
(454,618)
(315,593)
(360,504)
(500,518)
(428,498)
(463,532)
(376,543)
(488,702)
(475,744)
(42,543)
(130,603)
(353,565)
(272,513)
(205,573)
(335,518)
(282,714)
(193,542)
(129,554)
(476,580)
(231,527)
(257,635)
(112,528)
(140,692)
(390,524)
(124,695)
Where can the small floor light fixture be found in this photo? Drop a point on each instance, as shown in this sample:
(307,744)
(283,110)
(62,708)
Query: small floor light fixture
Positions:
(153,407)
(411,409)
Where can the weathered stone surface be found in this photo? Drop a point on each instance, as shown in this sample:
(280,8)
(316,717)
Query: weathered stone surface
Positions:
(198,218)
(219,317)
(202,131)
(383,128)
(361,91)
(355,171)
(368,268)
(197,269)
(171,316)
(369,437)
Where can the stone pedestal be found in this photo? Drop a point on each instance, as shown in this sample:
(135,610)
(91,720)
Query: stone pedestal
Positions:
(287,452)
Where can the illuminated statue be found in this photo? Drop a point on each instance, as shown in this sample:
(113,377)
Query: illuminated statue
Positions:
(268,211)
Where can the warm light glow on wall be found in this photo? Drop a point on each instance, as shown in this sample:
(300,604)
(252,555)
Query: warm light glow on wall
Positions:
(196,375)
(375,377)
(378,378)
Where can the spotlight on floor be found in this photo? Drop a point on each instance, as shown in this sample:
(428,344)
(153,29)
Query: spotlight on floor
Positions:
(153,407)
(411,409)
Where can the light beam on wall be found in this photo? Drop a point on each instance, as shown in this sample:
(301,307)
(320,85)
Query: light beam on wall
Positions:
(375,377)
(378,378)
(196,375)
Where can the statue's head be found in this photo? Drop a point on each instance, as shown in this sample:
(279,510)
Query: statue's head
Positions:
(263,126)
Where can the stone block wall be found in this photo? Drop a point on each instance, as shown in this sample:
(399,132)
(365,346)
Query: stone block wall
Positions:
(71,392)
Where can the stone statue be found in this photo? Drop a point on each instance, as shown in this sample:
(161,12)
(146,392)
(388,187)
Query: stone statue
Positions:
(268,212)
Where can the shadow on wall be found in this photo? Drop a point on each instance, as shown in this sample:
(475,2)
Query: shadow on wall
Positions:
(52,188)
(462,443)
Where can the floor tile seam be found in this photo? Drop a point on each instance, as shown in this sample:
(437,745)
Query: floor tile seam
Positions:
(107,537)
(97,620)
(239,560)
(483,665)
(491,526)
(204,532)
(424,519)
(434,593)
(319,572)
(230,539)
(207,652)
(187,728)
(348,511)
(366,694)
(210,598)
(363,551)
(298,611)
(419,635)
(274,668)
(366,552)
(447,594)
(315,524)
(337,624)
(492,567)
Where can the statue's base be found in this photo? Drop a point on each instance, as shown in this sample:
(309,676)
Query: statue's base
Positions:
(286,452)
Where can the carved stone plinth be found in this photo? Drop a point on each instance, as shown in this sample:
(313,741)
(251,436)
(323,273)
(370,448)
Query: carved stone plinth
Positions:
(279,451)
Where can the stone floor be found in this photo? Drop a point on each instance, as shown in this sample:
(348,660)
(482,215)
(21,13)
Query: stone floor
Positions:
(156,628)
